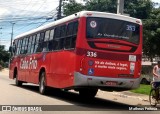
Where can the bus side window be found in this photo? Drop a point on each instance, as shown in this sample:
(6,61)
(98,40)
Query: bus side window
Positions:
(37,43)
(50,44)
(62,36)
(26,45)
(32,44)
(46,41)
(56,38)
(19,46)
(68,36)
(29,44)
(23,45)
(15,45)
(70,40)
(55,44)
(75,30)
(40,45)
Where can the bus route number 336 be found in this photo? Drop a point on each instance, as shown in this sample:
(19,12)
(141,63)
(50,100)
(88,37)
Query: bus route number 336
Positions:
(91,54)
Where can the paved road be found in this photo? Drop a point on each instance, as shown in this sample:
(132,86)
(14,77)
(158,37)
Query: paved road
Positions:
(60,100)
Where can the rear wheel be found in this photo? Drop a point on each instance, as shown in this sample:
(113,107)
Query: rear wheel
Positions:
(88,93)
(152,97)
(17,82)
(42,84)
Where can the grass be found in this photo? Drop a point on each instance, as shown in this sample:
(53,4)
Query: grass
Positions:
(143,89)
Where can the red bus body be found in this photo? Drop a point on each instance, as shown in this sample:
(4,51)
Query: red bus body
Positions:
(103,63)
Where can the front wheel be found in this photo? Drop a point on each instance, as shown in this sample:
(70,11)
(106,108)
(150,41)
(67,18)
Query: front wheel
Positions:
(152,97)
(88,93)
(42,84)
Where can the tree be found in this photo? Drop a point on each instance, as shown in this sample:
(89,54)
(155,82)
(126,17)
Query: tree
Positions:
(138,8)
(151,34)
(72,7)
(102,5)
(4,55)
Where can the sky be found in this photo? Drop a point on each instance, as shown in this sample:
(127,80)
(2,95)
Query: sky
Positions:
(26,15)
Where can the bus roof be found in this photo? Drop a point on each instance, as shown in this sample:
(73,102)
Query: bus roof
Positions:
(82,14)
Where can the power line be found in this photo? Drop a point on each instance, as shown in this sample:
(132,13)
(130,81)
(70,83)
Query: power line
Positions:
(21,19)
(29,25)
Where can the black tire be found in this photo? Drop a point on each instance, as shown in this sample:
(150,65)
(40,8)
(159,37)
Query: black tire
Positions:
(42,84)
(88,93)
(152,97)
(17,82)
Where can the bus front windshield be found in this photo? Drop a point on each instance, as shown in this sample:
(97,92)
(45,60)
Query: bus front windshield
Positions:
(112,29)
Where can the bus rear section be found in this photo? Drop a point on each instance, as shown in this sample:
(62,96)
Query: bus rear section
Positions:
(109,56)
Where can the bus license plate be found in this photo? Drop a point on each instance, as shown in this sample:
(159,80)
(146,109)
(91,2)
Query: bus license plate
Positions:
(111,83)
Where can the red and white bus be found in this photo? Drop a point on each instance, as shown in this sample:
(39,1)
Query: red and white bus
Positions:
(86,51)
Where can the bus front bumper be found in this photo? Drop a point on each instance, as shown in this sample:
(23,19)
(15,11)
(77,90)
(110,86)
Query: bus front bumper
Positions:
(81,80)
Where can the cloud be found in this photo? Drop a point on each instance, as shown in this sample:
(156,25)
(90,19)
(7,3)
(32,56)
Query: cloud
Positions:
(156,1)
(4,12)
(20,8)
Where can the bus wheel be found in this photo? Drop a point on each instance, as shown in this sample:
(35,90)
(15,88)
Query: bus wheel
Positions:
(88,93)
(42,84)
(17,82)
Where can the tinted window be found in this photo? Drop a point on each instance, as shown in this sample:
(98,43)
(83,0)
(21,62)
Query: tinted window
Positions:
(40,44)
(37,37)
(59,37)
(36,43)
(51,34)
(70,29)
(33,44)
(23,45)
(42,37)
(57,32)
(63,31)
(26,45)
(19,46)
(75,28)
(112,28)
(29,44)
(71,35)
(47,35)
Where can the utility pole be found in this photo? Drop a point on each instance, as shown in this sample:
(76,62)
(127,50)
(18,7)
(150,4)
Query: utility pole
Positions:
(120,6)
(12,32)
(0,38)
(59,15)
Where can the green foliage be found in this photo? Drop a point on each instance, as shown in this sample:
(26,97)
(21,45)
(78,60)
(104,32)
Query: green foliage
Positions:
(72,7)
(151,34)
(143,89)
(138,8)
(102,5)
(4,55)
